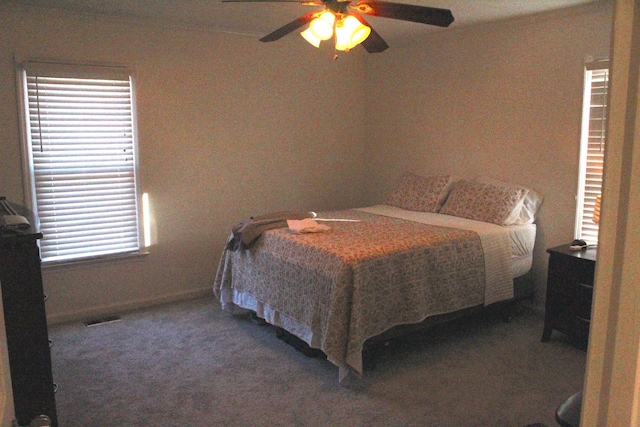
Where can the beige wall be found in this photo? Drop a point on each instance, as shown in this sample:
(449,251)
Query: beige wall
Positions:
(503,100)
(228,127)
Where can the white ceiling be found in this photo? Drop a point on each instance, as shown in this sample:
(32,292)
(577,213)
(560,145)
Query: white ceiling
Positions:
(262,18)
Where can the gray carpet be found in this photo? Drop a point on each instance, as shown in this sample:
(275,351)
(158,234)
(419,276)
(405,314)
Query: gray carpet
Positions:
(190,364)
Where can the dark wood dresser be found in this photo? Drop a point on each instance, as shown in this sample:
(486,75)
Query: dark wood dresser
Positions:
(26,323)
(569,293)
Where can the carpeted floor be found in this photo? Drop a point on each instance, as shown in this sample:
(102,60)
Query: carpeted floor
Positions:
(189,364)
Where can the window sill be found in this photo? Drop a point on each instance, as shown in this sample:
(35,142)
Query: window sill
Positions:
(132,256)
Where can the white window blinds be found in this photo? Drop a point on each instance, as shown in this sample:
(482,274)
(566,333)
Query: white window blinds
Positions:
(592,148)
(81,144)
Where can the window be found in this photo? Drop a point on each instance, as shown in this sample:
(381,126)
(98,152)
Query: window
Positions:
(594,123)
(80,146)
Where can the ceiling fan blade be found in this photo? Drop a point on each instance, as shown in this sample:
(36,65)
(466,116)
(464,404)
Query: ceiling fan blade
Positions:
(289,28)
(405,12)
(374,43)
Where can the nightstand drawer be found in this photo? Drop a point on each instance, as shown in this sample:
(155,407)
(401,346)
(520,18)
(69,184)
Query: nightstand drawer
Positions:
(579,328)
(567,271)
(583,295)
(563,315)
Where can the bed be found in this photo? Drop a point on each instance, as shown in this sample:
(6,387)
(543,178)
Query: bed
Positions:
(437,246)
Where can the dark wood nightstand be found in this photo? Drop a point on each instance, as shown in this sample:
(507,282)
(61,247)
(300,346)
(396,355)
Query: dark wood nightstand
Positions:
(569,293)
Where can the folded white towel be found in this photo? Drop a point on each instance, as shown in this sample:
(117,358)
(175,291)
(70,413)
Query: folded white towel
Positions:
(306,225)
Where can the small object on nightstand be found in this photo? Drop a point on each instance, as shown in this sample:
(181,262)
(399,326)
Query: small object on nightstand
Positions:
(569,292)
(578,245)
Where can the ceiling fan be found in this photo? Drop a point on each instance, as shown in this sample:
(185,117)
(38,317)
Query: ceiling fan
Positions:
(343,21)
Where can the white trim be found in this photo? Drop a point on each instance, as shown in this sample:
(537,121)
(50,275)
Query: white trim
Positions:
(582,164)
(23,113)
(594,119)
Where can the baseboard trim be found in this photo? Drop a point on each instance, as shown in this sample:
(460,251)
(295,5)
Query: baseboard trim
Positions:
(126,307)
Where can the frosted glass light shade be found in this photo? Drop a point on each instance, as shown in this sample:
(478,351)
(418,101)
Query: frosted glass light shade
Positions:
(350,32)
(310,37)
(322,26)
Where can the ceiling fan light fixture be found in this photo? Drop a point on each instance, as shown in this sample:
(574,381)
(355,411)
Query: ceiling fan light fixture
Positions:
(322,26)
(310,37)
(350,32)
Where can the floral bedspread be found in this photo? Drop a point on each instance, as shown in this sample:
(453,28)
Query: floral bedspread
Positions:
(358,279)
